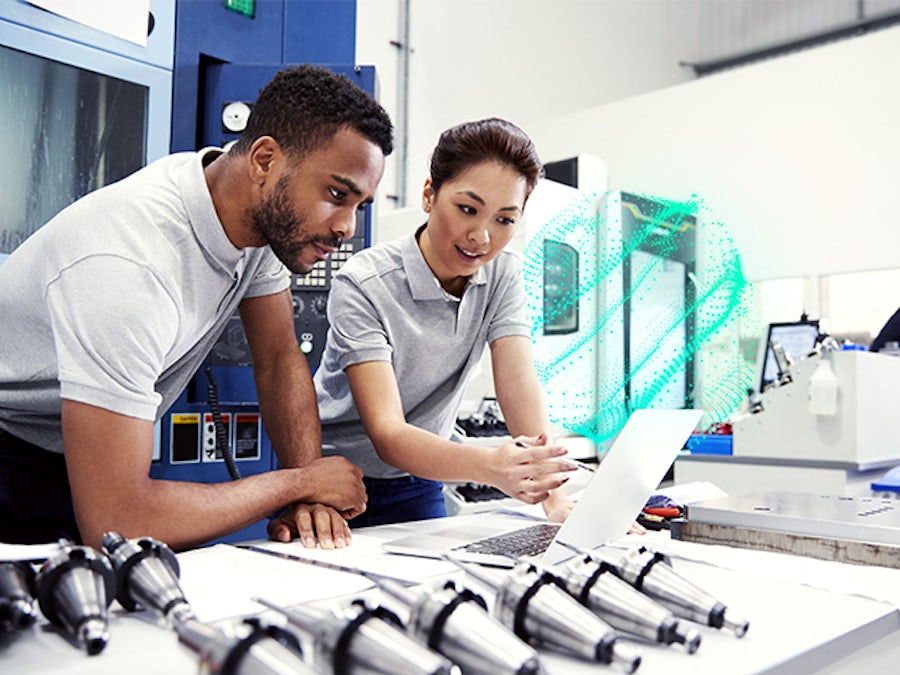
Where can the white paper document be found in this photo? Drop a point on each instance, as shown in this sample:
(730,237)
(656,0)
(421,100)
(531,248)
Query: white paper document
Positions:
(221,581)
(365,554)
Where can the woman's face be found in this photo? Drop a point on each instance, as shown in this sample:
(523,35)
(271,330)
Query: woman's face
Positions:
(470,221)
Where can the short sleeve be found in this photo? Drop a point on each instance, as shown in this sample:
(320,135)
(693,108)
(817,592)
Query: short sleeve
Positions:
(511,313)
(113,324)
(271,277)
(357,328)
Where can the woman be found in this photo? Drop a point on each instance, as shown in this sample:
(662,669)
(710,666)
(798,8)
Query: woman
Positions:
(409,322)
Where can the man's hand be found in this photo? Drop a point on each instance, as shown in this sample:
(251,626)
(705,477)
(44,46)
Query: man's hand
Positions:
(311,523)
(335,482)
(336,494)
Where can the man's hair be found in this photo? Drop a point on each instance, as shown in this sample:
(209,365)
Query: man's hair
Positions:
(493,139)
(303,107)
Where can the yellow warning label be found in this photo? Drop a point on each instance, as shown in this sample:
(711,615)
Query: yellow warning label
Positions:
(186,418)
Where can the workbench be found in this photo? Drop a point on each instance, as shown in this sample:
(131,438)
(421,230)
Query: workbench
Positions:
(806,615)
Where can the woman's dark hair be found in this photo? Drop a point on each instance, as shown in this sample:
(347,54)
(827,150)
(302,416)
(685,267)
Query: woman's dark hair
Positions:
(303,107)
(492,139)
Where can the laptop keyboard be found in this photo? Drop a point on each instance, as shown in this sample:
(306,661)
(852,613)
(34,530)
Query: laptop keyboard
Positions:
(526,541)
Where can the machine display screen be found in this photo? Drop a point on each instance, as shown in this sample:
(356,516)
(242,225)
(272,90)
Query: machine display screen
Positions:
(798,340)
(67,131)
(560,288)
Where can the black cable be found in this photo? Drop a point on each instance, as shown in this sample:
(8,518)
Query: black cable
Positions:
(222,444)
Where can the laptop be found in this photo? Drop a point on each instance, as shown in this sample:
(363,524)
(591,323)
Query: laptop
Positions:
(630,472)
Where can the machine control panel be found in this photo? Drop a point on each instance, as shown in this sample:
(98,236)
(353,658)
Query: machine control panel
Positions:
(309,294)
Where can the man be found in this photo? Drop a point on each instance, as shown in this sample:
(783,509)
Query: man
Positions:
(110,308)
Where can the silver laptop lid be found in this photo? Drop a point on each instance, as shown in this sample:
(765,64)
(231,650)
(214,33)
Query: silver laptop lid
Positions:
(632,469)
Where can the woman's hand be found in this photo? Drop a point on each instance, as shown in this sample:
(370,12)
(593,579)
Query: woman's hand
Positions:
(558,506)
(527,468)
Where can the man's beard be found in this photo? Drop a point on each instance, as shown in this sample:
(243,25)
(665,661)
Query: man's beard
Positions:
(283,230)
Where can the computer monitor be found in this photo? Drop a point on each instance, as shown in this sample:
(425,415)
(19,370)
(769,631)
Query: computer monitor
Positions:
(798,338)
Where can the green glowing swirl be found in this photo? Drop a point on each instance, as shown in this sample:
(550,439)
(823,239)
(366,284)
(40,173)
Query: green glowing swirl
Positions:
(714,300)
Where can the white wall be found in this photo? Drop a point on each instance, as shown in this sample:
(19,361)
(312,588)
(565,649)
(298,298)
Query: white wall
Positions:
(524,60)
(798,156)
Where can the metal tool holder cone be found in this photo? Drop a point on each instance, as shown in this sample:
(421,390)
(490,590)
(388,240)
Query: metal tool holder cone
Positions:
(253,648)
(17,610)
(355,639)
(455,622)
(595,585)
(649,573)
(538,609)
(148,573)
(75,588)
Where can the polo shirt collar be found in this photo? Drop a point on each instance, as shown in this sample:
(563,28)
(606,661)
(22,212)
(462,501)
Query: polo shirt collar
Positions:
(422,282)
(202,214)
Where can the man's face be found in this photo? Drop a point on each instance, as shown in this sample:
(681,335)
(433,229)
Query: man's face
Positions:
(313,204)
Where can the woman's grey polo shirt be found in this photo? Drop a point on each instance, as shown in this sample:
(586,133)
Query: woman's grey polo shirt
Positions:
(387,305)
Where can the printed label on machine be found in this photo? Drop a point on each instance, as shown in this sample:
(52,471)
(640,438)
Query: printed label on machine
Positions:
(247,434)
(211,451)
(184,446)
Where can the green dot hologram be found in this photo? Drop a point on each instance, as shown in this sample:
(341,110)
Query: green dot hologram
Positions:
(616,272)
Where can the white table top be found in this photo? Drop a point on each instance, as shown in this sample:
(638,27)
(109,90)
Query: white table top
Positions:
(805,615)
